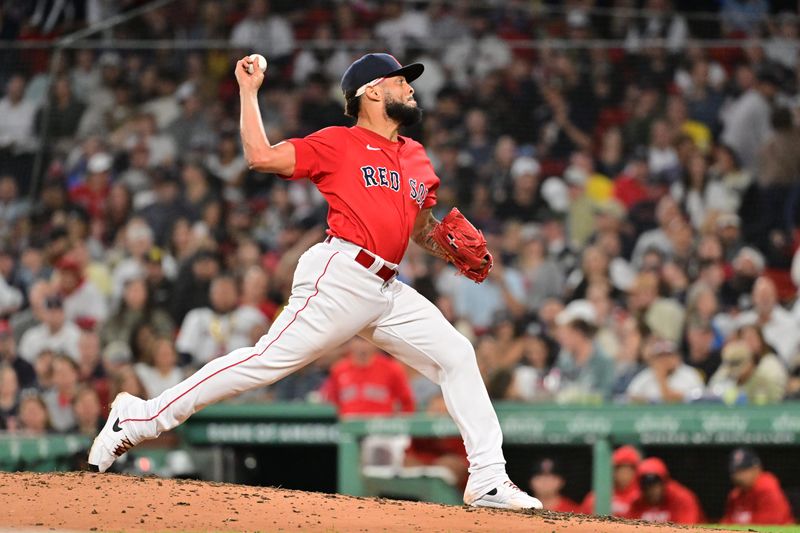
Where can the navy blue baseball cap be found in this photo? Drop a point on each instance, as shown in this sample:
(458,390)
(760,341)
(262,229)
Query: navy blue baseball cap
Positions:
(742,458)
(375,66)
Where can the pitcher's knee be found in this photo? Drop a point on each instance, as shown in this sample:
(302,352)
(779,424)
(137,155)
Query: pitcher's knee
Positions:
(458,356)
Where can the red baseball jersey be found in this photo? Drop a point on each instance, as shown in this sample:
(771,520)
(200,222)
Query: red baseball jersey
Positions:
(565,505)
(764,503)
(621,500)
(679,505)
(377,388)
(374,187)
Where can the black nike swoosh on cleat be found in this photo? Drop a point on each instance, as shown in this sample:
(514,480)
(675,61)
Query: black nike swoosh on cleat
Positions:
(116,427)
(490,493)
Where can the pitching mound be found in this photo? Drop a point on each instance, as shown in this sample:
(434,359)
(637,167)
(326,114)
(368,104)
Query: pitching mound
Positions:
(101,502)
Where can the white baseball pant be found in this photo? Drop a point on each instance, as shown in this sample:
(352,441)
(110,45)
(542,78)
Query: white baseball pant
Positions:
(333,299)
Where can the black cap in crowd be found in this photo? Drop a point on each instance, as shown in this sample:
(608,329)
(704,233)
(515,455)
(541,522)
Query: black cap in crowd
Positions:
(546,466)
(742,458)
(374,66)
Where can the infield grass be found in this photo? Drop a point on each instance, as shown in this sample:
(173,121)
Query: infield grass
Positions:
(760,529)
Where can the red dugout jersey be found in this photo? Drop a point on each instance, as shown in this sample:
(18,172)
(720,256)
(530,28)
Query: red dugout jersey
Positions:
(374,187)
(679,505)
(379,388)
(621,500)
(765,503)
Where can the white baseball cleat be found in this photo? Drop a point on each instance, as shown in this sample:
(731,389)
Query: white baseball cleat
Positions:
(507,496)
(114,439)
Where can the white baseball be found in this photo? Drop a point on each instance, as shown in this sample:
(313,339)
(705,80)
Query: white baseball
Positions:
(257,59)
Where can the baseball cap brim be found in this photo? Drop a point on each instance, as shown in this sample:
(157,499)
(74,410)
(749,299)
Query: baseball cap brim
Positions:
(410,72)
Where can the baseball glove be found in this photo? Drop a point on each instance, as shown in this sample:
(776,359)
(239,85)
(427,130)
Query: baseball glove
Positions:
(464,245)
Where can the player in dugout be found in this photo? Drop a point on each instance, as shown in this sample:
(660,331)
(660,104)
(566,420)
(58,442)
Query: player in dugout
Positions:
(663,499)
(757,497)
(626,485)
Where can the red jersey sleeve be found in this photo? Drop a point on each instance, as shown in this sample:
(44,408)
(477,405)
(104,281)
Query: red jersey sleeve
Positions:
(430,200)
(319,154)
(684,507)
(771,506)
(587,506)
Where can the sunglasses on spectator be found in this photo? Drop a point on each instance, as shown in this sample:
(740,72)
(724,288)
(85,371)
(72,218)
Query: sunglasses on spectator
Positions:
(54,303)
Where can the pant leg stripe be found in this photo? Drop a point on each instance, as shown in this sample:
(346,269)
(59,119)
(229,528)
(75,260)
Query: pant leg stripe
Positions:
(316,291)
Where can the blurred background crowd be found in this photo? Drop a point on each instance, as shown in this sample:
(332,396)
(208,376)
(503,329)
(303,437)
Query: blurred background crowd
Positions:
(635,172)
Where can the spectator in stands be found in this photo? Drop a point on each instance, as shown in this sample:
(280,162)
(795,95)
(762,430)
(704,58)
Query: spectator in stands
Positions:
(702,306)
(625,459)
(191,289)
(160,371)
(159,285)
(83,301)
(12,207)
(703,98)
(585,373)
(777,324)
(136,308)
(191,131)
(700,351)
(33,419)
(662,157)
(782,47)
(479,304)
(748,264)
(54,333)
(17,140)
(667,211)
(24,371)
(779,172)
(261,30)
(88,412)
(476,52)
(743,17)
(746,375)
(664,316)
(255,286)
(594,268)
(667,379)
(523,203)
(546,483)
(629,361)
(59,398)
(126,380)
(697,194)
(531,358)
(92,194)
(64,115)
(757,496)
(9,398)
(663,499)
(747,120)
(222,327)
(541,276)
(367,382)
(660,23)
(229,165)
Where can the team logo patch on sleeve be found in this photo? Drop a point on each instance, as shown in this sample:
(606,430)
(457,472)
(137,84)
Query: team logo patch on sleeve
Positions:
(418,191)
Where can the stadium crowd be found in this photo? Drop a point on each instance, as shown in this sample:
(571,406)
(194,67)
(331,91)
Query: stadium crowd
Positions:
(641,199)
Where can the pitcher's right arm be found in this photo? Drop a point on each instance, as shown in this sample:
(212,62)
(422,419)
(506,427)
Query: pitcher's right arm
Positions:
(259,153)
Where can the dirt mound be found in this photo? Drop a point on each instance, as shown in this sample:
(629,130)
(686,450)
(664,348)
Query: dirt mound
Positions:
(101,502)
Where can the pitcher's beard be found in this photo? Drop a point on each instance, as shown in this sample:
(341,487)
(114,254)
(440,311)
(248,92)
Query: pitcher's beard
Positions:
(405,115)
